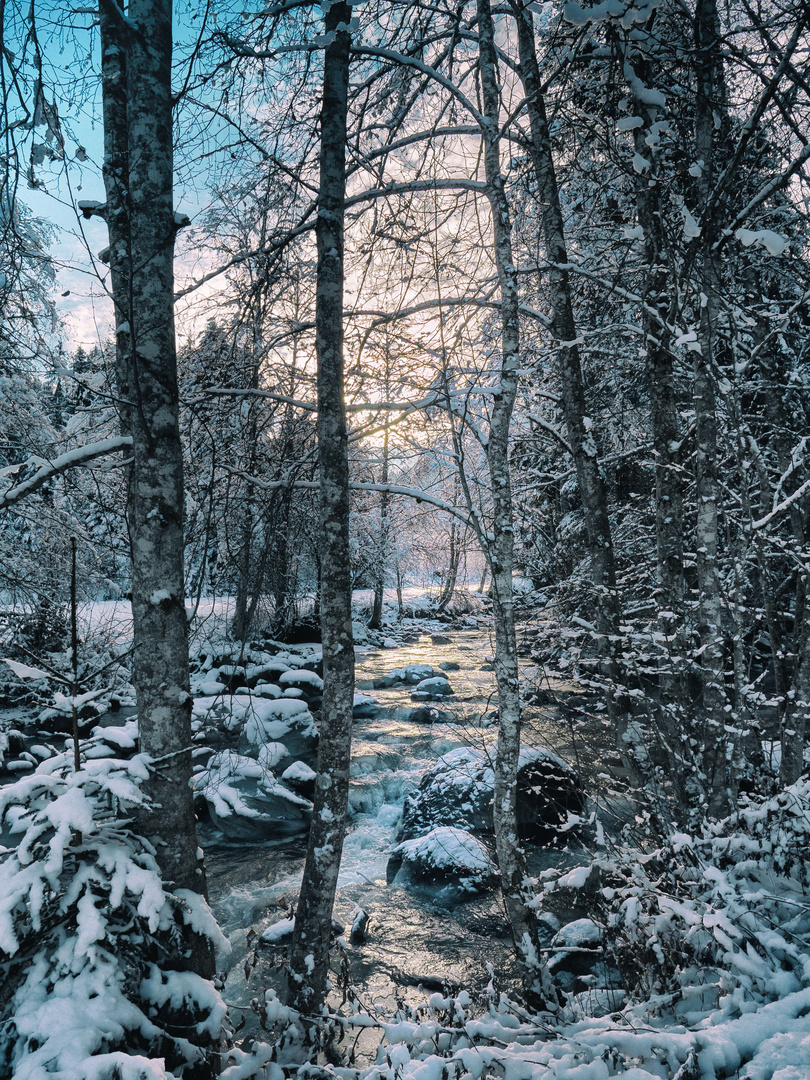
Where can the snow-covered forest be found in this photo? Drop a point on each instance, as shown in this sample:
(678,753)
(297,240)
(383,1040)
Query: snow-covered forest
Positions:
(327,328)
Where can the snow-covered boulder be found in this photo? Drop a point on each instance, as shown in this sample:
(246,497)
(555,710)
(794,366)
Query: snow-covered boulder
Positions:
(247,802)
(433,689)
(284,720)
(445,855)
(458,791)
(580,962)
(365,707)
(304,680)
(269,672)
(301,778)
(409,675)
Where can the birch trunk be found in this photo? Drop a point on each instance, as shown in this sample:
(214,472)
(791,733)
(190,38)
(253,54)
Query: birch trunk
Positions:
(137,104)
(309,963)
(517,891)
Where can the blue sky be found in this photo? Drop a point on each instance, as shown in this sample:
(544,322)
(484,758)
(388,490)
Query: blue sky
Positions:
(70,75)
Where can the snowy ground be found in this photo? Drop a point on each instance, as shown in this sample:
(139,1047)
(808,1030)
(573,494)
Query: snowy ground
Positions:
(714,929)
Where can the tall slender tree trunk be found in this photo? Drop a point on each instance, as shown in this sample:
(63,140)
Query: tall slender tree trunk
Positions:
(517,892)
(710,107)
(309,962)
(382,547)
(579,427)
(795,705)
(137,103)
(667,439)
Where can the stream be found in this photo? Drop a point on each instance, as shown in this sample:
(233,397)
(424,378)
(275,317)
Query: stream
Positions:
(418,940)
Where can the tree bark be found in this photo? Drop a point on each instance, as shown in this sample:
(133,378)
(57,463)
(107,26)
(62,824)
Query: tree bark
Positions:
(138,176)
(382,547)
(309,962)
(517,893)
(710,105)
(579,428)
(667,439)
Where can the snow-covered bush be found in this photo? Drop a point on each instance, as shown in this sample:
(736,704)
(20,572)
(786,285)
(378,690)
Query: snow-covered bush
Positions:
(91,943)
(719,921)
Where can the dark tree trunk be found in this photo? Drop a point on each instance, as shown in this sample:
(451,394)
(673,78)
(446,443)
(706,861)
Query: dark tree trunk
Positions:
(137,103)
(667,439)
(309,962)
(382,547)
(710,105)
(579,430)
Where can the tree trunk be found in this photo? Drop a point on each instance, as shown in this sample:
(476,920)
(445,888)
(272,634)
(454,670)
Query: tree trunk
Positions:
(449,587)
(309,962)
(579,428)
(710,104)
(382,549)
(667,439)
(517,895)
(137,103)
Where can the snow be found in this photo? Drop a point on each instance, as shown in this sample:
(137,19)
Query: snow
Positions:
(447,846)
(299,770)
(773,243)
(23,671)
(278,931)
(691,229)
(271,754)
(301,677)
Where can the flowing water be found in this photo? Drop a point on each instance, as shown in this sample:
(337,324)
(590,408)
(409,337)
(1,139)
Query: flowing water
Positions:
(417,940)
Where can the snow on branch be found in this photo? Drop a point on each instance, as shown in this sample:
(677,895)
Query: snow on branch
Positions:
(783,505)
(81,455)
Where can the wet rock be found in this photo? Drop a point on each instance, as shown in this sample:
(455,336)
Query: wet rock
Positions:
(445,855)
(359,928)
(428,714)
(410,676)
(432,689)
(541,697)
(449,665)
(232,676)
(281,932)
(580,963)
(458,791)
(440,639)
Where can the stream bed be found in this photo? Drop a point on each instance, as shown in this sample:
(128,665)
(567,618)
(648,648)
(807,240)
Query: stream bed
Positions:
(418,940)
